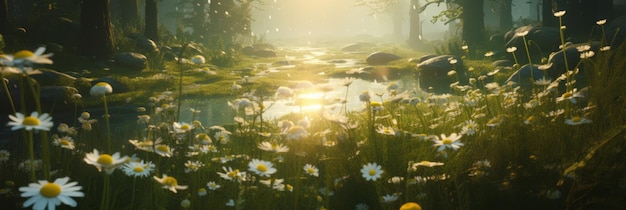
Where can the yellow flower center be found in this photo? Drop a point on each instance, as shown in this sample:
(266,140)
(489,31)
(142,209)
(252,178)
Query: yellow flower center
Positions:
(232,173)
(425,162)
(145,144)
(494,121)
(105,159)
(261,167)
(576,119)
(30,120)
(185,127)
(23,54)
(171,181)
(50,190)
(372,172)
(446,141)
(102,84)
(138,169)
(201,190)
(567,95)
(64,142)
(163,148)
(310,170)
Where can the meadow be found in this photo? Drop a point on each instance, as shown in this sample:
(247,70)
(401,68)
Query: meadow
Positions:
(484,145)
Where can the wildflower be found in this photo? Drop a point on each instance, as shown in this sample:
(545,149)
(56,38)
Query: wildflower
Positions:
(164,150)
(271,147)
(492,86)
(182,127)
(495,121)
(145,145)
(371,171)
(34,121)
(105,161)
(64,142)
(138,169)
(296,132)
(202,192)
(511,49)
(425,163)
(451,73)
(311,170)
(452,60)
(395,180)
(198,59)
(605,48)
(583,48)
(448,142)
(50,194)
(235,86)
(469,128)
(193,166)
(559,13)
(410,206)
(570,95)
(577,120)
(543,81)
(490,53)
(365,96)
(170,183)
(386,130)
(601,22)
(28,164)
(213,186)
(348,81)
(261,167)
(143,119)
(587,54)
(464,47)
(26,58)
(390,198)
(100,89)
(522,33)
(203,138)
(529,120)
(232,175)
(4,156)
(230,202)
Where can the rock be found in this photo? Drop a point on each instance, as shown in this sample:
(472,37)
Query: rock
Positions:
(356,46)
(426,57)
(118,87)
(544,39)
(51,77)
(131,61)
(281,63)
(381,58)
(615,31)
(147,45)
(50,97)
(258,52)
(433,73)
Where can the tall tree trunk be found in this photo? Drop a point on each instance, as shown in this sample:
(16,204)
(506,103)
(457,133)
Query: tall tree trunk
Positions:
(506,16)
(547,12)
(96,34)
(415,25)
(473,22)
(396,16)
(152,31)
(129,12)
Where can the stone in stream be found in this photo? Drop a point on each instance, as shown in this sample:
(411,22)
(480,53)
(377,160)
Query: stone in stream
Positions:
(381,58)
(433,73)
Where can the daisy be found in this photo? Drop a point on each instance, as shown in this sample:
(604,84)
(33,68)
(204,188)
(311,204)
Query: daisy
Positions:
(170,183)
(311,170)
(601,22)
(559,13)
(426,163)
(28,165)
(270,147)
(4,156)
(469,128)
(34,121)
(202,192)
(230,202)
(64,142)
(232,175)
(385,130)
(50,194)
(164,150)
(448,142)
(511,49)
(105,161)
(570,95)
(213,186)
(204,138)
(100,89)
(182,127)
(198,59)
(145,145)
(362,206)
(193,166)
(261,167)
(371,171)
(495,121)
(390,198)
(576,120)
(138,169)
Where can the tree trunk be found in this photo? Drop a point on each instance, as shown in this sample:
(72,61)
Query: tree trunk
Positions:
(547,12)
(506,17)
(415,25)
(473,32)
(152,31)
(96,35)
(129,10)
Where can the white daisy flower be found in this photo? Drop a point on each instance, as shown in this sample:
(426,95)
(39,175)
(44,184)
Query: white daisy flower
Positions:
(138,169)
(311,170)
(213,186)
(271,147)
(193,166)
(261,167)
(105,161)
(100,89)
(64,142)
(198,59)
(390,198)
(448,142)
(577,120)
(182,127)
(164,150)
(32,122)
(371,171)
(170,183)
(232,175)
(4,156)
(48,195)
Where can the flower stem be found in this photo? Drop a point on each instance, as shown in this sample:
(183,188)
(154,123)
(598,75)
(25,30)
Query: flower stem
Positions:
(106,118)
(31,156)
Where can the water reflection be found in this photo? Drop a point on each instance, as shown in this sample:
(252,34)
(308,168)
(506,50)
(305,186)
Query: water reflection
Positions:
(215,111)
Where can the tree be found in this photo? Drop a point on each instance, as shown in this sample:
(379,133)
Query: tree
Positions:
(415,25)
(506,17)
(96,35)
(151,19)
(129,12)
(473,32)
